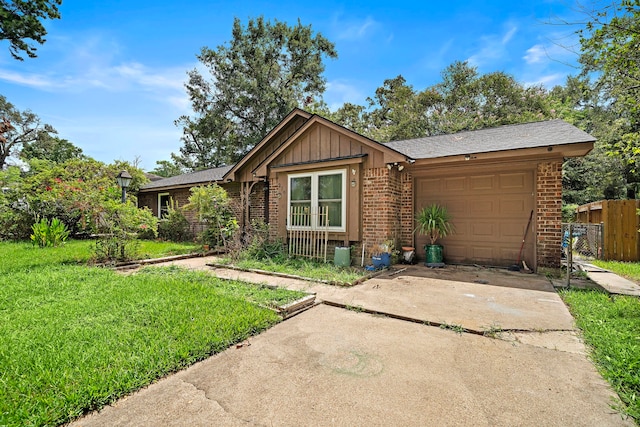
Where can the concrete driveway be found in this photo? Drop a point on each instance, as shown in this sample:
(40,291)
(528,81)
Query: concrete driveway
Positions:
(338,366)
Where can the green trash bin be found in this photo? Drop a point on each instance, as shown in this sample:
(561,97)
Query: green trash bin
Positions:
(342,257)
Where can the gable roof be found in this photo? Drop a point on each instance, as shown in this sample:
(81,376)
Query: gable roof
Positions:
(509,137)
(391,154)
(295,112)
(188,179)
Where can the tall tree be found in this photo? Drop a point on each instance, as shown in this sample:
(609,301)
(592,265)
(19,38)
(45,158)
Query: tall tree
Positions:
(399,112)
(52,148)
(610,52)
(166,168)
(463,100)
(21,19)
(266,70)
(25,128)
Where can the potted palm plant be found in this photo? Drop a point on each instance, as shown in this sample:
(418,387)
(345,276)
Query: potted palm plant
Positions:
(434,222)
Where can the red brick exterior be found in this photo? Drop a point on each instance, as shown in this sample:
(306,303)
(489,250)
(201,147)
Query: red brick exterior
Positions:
(381,201)
(256,202)
(406,209)
(388,208)
(275,193)
(549,213)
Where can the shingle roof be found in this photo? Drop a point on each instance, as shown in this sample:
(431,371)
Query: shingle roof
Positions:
(510,137)
(187,179)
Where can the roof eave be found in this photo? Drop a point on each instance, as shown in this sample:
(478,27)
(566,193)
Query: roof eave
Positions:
(551,151)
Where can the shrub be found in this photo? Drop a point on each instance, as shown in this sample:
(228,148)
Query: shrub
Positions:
(211,203)
(569,212)
(49,233)
(254,244)
(174,226)
(119,226)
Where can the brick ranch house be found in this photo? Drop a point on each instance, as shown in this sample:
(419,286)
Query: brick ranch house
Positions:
(490,180)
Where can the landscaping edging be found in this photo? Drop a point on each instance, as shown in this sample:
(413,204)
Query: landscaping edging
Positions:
(296,277)
(138,263)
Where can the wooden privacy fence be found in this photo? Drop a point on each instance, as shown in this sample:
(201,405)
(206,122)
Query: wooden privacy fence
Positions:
(621,223)
(308,232)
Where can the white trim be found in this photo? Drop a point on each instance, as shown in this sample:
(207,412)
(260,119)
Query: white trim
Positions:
(314,196)
(160,204)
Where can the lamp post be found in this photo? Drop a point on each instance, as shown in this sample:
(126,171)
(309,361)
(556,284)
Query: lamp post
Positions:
(124,179)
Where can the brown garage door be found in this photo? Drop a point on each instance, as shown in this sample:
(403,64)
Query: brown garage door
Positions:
(489,211)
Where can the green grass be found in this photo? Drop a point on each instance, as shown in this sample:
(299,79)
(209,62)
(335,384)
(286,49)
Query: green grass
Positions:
(302,267)
(630,270)
(611,328)
(24,255)
(75,338)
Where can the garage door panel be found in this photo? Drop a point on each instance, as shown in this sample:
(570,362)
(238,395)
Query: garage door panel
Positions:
(453,251)
(489,213)
(511,230)
(513,206)
(455,184)
(516,181)
(482,252)
(482,208)
(482,229)
(456,207)
(482,182)
(430,185)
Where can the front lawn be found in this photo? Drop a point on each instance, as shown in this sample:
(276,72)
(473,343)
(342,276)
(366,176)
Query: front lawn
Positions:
(75,338)
(300,267)
(611,328)
(22,255)
(630,270)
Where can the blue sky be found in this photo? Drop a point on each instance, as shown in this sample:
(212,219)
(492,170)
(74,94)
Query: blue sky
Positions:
(110,76)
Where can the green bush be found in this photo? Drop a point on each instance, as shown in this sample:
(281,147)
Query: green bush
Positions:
(569,213)
(211,203)
(119,227)
(258,246)
(174,226)
(49,233)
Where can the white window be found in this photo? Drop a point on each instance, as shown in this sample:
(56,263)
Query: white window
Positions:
(310,191)
(163,204)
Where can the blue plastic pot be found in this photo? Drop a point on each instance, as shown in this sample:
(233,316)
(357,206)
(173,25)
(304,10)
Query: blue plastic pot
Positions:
(381,261)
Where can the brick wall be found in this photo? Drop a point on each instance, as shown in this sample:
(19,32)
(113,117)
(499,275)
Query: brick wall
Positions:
(549,213)
(275,192)
(381,201)
(406,209)
(256,202)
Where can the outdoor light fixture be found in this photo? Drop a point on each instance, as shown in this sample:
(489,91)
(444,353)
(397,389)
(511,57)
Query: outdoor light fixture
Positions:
(124,179)
(400,168)
(467,156)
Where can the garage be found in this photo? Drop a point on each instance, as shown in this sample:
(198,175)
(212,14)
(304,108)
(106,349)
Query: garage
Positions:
(489,211)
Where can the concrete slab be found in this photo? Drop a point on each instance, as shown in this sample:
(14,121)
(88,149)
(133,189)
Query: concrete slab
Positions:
(330,366)
(470,305)
(610,281)
(511,300)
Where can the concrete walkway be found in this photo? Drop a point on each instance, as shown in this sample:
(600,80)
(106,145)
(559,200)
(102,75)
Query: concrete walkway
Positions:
(610,281)
(345,366)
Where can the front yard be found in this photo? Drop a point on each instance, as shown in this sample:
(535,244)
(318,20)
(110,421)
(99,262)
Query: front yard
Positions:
(611,328)
(75,338)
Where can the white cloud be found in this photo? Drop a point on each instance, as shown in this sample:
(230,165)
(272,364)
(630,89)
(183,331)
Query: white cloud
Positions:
(509,34)
(27,79)
(137,73)
(340,91)
(493,46)
(354,30)
(535,54)
(548,80)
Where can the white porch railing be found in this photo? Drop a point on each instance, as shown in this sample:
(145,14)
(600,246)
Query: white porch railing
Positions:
(308,232)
